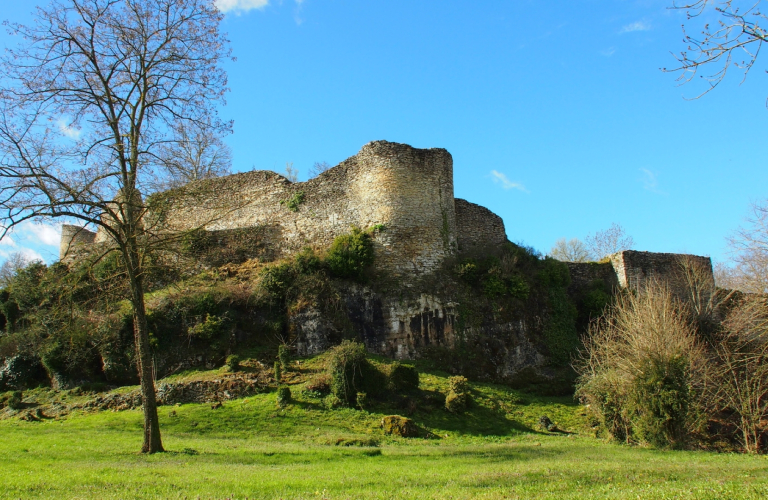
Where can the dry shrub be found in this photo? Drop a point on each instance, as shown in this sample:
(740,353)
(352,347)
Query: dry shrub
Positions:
(740,380)
(641,370)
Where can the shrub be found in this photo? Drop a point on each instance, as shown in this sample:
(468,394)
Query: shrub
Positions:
(456,403)
(351,372)
(278,373)
(284,356)
(233,362)
(517,287)
(15,399)
(275,280)
(402,377)
(458,384)
(321,383)
(306,261)
(346,367)
(350,254)
(294,201)
(283,396)
(209,328)
(399,426)
(494,287)
(467,271)
(641,369)
(458,394)
(362,400)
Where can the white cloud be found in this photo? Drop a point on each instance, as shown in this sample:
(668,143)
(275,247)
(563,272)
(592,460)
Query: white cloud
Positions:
(608,52)
(240,5)
(650,182)
(32,240)
(66,129)
(297,12)
(636,26)
(499,178)
(45,233)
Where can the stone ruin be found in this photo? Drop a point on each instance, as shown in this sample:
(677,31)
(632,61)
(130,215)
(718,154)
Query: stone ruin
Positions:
(410,192)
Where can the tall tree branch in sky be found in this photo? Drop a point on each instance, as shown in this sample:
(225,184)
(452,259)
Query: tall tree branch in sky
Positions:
(122,73)
(720,35)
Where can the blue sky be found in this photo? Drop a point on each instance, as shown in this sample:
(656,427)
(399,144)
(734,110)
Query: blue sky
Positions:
(557,114)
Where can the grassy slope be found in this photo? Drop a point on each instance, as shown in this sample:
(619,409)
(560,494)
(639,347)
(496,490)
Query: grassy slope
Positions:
(249,448)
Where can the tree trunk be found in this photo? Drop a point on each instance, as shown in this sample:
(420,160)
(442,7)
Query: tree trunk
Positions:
(152,441)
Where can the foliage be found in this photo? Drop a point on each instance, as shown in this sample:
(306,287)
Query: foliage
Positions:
(11,399)
(347,365)
(293,203)
(278,373)
(572,250)
(211,327)
(284,356)
(233,363)
(402,377)
(283,396)
(350,254)
(641,369)
(458,398)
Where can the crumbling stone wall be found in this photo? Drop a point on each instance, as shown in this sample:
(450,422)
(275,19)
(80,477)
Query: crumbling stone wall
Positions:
(74,240)
(407,190)
(584,274)
(477,227)
(633,269)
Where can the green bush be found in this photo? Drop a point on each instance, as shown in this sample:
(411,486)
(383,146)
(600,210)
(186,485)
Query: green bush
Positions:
(494,287)
(517,287)
(294,201)
(350,254)
(362,400)
(457,399)
(278,373)
(208,329)
(275,280)
(662,401)
(456,403)
(458,384)
(15,400)
(284,356)
(283,396)
(307,261)
(233,362)
(402,377)
(351,372)
(467,271)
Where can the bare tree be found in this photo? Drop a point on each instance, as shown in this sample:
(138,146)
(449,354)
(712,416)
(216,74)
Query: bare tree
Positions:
(612,240)
(11,267)
(292,174)
(720,38)
(572,250)
(741,379)
(749,252)
(196,151)
(120,74)
(318,168)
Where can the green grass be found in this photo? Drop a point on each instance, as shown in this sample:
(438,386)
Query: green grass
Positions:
(251,449)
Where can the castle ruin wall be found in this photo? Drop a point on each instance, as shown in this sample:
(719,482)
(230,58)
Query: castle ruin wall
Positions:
(477,227)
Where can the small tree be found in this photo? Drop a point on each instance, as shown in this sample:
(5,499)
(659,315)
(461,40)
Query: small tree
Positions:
(572,250)
(612,240)
(196,151)
(318,168)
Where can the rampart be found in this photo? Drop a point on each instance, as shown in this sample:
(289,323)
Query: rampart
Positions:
(406,190)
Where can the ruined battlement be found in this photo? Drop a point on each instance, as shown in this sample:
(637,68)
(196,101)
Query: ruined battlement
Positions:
(407,190)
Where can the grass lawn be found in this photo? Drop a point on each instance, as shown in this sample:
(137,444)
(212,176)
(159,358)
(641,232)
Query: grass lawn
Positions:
(251,449)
